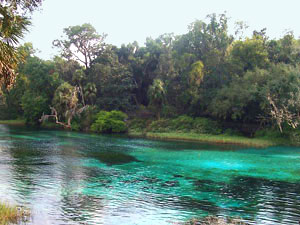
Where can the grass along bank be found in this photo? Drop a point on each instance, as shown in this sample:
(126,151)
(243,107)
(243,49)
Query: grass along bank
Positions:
(12,214)
(47,125)
(186,128)
(199,129)
(13,122)
(219,139)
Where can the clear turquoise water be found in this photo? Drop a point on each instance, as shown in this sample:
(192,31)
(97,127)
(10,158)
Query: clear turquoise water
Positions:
(75,178)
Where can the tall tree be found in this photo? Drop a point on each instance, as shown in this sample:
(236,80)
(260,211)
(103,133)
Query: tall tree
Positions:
(42,82)
(114,81)
(247,55)
(82,43)
(13,23)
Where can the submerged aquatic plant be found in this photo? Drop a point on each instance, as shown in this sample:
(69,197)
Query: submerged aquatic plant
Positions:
(213,220)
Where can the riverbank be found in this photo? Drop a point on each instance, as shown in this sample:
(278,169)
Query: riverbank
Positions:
(46,125)
(13,122)
(259,142)
(185,128)
(209,138)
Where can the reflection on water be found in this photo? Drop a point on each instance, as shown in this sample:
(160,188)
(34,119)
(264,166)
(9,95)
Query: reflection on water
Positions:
(74,178)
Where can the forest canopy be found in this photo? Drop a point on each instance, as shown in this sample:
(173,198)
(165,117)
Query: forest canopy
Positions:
(206,72)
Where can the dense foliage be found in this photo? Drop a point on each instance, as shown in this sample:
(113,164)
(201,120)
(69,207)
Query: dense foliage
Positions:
(181,124)
(110,122)
(13,24)
(200,77)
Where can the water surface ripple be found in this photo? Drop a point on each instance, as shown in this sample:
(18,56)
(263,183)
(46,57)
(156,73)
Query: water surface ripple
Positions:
(75,178)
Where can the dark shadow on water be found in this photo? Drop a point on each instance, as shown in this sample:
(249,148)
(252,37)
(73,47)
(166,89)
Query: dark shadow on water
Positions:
(113,158)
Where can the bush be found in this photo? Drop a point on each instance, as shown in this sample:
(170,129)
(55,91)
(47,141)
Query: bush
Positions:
(160,126)
(138,124)
(88,117)
(232,132)
(295,137)
(110,122)
(206,126)
(182,123)
(75,126)
(269,133)
(169,111)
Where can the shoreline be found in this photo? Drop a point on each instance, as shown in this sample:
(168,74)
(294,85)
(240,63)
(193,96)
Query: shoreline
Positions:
(206,138)
(13,122)
(188,137)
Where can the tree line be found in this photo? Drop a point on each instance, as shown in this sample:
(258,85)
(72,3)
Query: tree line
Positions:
(206,72)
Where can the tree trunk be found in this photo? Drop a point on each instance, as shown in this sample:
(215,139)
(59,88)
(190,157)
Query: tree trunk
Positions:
(81,93)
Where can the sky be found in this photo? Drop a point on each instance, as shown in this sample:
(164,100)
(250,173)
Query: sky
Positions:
(126,21)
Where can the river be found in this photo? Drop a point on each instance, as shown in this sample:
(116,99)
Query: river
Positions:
(77,178)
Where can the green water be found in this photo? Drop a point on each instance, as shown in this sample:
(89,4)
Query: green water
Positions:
(75,178)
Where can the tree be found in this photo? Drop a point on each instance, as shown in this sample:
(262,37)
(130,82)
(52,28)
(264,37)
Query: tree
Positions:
(281,95)
(66,69)
(146,68)
(12,29)
(196,74)
(90,91)
(13,97)
(114,81)
(82,44)
(65,106)
(157,95)
(247,55)
(165,69)
(42,82)
(236,101)
(209,41)
(33,106)
(13,25)
(21,6)
(285,50)
(78,78)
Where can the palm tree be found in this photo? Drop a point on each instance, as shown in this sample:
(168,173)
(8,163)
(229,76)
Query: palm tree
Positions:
(90,91)
(12,28)
(156,94)
(66,105)
(78,78)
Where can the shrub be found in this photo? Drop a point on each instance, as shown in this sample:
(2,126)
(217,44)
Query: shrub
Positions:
(206,126)
(232,132)
(269,133)
(75,126)
(138,124)
(88,117)
(169,111)
(295,137)
(162,125)
(110,122)
(182,123)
